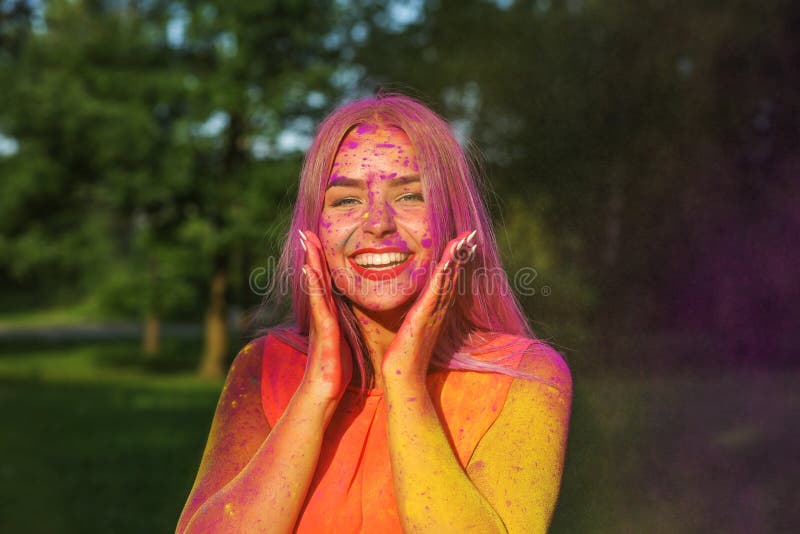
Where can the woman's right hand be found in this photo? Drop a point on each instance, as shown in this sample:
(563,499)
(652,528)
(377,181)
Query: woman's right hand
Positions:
(330,365)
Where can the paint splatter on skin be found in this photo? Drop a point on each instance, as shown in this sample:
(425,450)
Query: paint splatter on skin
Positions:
(366,128)
(373,201)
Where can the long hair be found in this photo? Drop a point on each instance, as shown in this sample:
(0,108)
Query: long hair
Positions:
(484,303)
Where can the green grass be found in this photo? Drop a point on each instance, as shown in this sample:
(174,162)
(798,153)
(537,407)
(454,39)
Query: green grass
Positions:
(79,313)
(94,442)
(97,440)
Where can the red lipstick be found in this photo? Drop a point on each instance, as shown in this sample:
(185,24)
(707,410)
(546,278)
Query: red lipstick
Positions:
(381,274)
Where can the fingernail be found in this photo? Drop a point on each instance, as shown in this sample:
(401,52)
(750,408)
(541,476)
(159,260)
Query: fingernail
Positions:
(460,244)
(471,236)
(446,265)
(303,244)
(305,273)
(302,235)
(472,250)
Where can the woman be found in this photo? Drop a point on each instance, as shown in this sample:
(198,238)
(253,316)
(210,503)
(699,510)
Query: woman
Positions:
(410,394)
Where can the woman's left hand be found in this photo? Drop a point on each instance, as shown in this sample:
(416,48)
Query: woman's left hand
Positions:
(409,354)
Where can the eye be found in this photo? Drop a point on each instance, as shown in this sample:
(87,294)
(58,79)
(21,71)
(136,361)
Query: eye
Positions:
(411,197)
(346,201)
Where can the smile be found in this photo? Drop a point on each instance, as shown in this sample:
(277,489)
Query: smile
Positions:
(389,259)
(380,264)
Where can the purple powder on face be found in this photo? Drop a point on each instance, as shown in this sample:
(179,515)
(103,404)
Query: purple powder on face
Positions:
(366,129)
(426,243)
(352,144)
(384,145)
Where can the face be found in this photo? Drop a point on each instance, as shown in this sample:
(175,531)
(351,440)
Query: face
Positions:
(374,224)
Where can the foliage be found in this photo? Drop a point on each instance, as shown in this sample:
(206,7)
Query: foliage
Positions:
(636,148)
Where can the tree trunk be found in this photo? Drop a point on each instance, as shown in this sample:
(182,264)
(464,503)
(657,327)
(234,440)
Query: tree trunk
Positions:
(151,340)
(216,329)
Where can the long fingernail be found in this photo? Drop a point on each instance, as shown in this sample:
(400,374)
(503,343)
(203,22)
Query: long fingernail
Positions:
(446,265)
(471,236)
(472,250)
(461,243)
(302,235)
(305,273)
(303,244)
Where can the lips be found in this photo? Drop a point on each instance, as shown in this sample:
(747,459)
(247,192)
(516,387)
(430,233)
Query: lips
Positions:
(380,264)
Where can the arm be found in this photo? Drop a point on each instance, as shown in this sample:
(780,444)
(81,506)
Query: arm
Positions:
(513,478)
(253,478)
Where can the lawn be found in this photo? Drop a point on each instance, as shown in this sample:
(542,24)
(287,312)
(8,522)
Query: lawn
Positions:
(95,440)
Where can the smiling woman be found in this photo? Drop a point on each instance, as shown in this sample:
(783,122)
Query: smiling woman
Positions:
(405,393)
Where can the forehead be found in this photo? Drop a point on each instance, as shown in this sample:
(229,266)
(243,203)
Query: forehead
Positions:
(368,144)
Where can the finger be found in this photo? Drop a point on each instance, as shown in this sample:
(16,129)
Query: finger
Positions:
(460,247)
(438,287)
(317,259)
(458,251)
(320,311)
(439,292)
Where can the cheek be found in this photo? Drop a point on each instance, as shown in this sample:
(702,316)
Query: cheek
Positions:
(334,229)
(419,226)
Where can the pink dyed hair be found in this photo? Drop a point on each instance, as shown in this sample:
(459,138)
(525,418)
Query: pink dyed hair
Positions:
(451,189)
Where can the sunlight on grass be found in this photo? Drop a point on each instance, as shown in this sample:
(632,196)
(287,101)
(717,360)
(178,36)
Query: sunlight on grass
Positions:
(85,311)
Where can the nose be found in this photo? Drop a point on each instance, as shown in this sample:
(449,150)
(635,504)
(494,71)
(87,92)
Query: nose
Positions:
(379,219)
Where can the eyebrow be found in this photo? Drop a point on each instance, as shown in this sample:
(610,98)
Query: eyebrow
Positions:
(343,181)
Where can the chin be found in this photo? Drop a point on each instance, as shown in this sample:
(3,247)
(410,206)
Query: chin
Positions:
(384,305)
(394,294)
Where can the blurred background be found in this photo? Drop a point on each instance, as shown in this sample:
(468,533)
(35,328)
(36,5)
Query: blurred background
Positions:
(644,171)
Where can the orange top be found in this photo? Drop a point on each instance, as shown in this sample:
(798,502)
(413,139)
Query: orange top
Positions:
(352,489)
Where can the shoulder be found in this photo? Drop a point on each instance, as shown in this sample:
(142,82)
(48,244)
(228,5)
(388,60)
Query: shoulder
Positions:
(250,353)
(273,352)
(245,370)
(531,357)
(270,349)
(547,365)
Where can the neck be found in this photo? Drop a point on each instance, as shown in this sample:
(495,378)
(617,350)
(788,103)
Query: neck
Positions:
(378,330)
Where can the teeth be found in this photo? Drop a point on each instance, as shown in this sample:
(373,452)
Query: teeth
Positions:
(387,259)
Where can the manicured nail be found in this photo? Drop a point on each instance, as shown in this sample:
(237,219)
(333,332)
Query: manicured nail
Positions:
(446,265)
(472,250)
(302,235)
(471,236)
(305,273)
(303,244)
(461,243)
